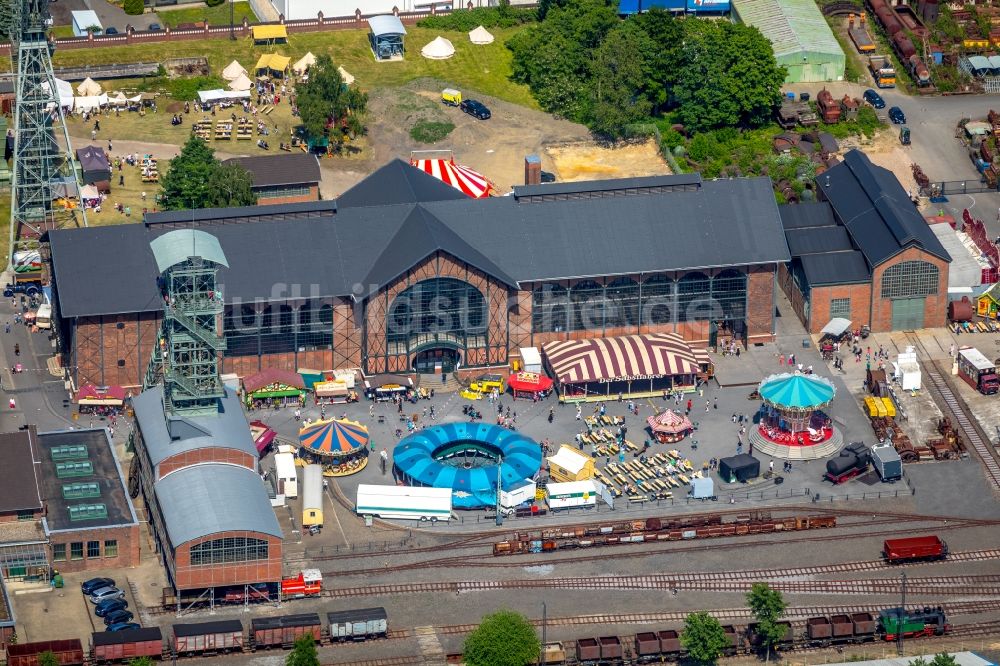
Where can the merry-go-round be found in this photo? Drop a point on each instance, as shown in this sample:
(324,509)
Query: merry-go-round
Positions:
(669,427)
(340,446)
(791,423)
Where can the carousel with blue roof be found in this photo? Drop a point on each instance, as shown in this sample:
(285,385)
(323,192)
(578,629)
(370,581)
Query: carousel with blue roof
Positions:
(340,446)
(792,413)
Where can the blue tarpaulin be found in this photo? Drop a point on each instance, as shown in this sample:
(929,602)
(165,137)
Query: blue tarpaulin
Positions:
(633,6)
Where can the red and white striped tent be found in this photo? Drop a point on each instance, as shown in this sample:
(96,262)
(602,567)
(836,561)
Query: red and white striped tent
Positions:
(462,178)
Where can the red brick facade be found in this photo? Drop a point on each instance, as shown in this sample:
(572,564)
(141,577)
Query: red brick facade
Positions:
(211,454)
(190,577)
(126,542)
(935,305)
(13,517)
(113,350)
(312,195)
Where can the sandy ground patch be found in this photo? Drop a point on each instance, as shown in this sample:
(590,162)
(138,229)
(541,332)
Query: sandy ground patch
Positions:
(589,161)
(886,151)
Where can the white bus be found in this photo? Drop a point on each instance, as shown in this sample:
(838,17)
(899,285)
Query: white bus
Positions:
(43,317)
(404,502)
(312,495)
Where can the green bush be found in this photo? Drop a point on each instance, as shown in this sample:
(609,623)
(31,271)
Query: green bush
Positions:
(214,3)
(134,7)
(429,131)
(186,89)
(464,20)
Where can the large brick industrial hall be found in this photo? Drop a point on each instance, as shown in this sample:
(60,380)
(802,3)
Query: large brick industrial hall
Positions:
(405,274)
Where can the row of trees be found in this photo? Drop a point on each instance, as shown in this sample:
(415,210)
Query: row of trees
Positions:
(585,63)
(196,179)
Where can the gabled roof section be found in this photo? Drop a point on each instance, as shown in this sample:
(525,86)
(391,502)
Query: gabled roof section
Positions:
(397,183)
(421,235)
(877,212)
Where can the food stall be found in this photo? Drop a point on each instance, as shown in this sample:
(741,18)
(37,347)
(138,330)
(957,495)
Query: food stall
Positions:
(274,387)
(530,385)
(92,399)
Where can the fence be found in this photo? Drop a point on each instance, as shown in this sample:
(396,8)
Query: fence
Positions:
(949,187)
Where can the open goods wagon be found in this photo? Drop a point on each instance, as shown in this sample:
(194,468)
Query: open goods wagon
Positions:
(914,549)
(283,631)
(358,625)
(110,646)
(208,638)
(67,652)
(855,628)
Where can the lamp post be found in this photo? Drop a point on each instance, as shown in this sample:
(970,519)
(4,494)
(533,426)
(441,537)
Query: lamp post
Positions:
(232,22)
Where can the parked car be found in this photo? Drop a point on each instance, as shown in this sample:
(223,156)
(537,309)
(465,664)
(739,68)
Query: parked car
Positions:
(474,108)
(112,30)
(154,27)
(874,99)
(897,116)
(109,606)
(103,593)
(548,177)
(124,626)
(94,584)
(118,617)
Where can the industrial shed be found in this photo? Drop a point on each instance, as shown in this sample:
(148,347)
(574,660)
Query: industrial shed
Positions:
(802,39)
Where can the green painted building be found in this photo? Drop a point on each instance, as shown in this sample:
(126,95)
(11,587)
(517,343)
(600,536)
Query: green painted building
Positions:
(803,41)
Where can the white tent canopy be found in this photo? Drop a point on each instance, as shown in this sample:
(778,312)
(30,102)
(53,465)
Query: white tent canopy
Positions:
(439,49)
(241,83)
(119,99)
(837,327)
(89,192)
(304,63)
(89,88)
(233,71)
(211,96)
(480,36)
(345,75)
(89,103)
(65,93)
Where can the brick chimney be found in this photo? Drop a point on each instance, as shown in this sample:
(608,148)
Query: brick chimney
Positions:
(532,170)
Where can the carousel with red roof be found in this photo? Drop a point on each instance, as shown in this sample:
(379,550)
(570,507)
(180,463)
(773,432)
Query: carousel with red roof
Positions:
(441,164)
(669,427)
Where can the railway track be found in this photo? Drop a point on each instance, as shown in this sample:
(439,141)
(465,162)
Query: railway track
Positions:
(958,410)
(968,586)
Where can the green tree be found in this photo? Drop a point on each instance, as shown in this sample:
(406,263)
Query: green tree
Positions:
(703,637)
(504,638)
(944,659)
(48,658)
(140,661)
(134,7)
(662,68)
(195,179)
(6,20)
(303,652)
(325,101)
(230,185)
(728,76)
(214,3)
(620,69)
(767,606)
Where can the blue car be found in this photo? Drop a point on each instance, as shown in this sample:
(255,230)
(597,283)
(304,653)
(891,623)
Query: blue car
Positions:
(124,626)
(119,616)
(94,584)
(109,606)
(874,99)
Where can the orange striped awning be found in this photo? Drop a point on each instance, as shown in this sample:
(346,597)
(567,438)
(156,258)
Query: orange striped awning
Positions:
(625,358)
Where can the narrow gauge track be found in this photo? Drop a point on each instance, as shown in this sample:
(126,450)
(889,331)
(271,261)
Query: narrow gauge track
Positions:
(634,550)
(473,540)
(969,586)
(960,414)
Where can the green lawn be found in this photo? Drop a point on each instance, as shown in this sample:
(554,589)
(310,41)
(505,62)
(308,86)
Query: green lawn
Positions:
(485,69)
(213,15)
(5,224)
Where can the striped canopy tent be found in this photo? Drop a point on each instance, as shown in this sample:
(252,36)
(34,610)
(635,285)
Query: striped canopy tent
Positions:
(796,397)
(669,422)
(633,365)
(462,178)
(333,437)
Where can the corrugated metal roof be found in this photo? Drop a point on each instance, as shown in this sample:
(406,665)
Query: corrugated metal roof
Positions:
(806,215)
(961,658)
(817,239)
(793,26)
(180,245)
(835,268)
(386,24)
(202,500)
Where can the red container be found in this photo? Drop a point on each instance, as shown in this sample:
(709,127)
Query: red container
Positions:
(67,652)
(914,548)
(818,628)
(864,623)
(646,644)
(208,637)
(284,630)
(669,641)
(842,625)
(587,649)
(128,644)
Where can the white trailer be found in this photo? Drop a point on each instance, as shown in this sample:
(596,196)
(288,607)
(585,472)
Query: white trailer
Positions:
(517,495)
(312,496)
(284,469)
(571,495)
(404,502)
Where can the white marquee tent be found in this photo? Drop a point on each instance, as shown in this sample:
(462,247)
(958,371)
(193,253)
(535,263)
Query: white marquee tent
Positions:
(218,95)
(348,79)
(65,93)
(481,36)
(119,100)
(89,88)
(304,63)
(439,49)
(241,83)
(233,71)
(93,103)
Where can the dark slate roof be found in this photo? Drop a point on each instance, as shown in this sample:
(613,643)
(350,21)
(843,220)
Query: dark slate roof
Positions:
(205,217)
(281,169)
(609,185)
(18,481)
(379,232)
(846,267)
(396,183)
(876,210)
(817,239)
(802,215)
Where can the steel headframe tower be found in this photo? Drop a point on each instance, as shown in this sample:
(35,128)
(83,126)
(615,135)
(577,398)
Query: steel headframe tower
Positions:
(39,161)
(189,347)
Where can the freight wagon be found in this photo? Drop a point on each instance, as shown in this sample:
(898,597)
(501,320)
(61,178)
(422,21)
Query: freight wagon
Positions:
(67,652)
(840,629)
(208,638)
(109,646)
(358,625)
(283,631)
(914,549)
